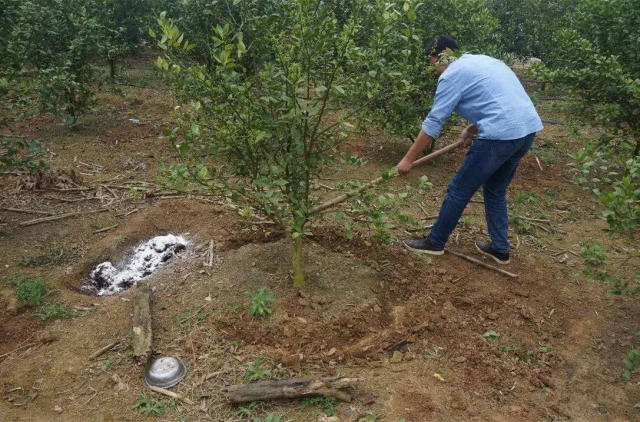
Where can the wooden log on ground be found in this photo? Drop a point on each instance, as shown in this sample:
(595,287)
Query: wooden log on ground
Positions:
(291,388)
(142,335)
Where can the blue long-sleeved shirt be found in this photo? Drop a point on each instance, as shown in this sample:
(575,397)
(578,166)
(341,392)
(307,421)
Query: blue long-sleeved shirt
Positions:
(486,92)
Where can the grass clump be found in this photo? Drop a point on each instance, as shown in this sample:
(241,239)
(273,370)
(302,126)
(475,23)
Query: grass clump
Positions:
(256,371)
(52,311)
(33,291)
(152,406)
(593,254)
(329,405)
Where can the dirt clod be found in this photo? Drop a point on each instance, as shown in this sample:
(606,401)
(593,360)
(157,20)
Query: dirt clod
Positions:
(14,306)
(397,357)
(46,337)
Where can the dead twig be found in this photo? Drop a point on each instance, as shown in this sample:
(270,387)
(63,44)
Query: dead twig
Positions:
(482,264)
(27,211)
(125,214)
(430,217)
(105,229)
(25,346)
(541,227)
(539,165)
(539,220)
(60,217)
(104,350)
(171,394)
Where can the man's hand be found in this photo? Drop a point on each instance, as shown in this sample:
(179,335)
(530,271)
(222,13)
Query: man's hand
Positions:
(422,141)
(404,167)
(467,135)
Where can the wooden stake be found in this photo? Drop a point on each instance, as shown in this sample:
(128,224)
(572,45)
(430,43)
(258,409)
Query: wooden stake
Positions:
(341,198)
(171,394)
(291,388)
(142,335)
(482,264)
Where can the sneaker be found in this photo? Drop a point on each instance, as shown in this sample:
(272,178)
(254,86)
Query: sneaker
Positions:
(422,245)
(486,249)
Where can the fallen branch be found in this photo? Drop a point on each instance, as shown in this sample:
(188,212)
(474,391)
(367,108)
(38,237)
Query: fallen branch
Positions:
(539,220)
(103,350)
(291,388)
(540,226)
(26,211)
(341,198)
(171,394)
(18,349)
(105,229)
(482,264)
(125,214)
(60,217)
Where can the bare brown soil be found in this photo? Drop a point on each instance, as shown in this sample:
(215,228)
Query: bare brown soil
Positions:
(561,337)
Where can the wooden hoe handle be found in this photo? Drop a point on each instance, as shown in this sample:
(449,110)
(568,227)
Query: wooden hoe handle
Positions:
(345,196)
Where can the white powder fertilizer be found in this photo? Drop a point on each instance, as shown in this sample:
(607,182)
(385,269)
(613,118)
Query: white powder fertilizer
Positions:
(107,279)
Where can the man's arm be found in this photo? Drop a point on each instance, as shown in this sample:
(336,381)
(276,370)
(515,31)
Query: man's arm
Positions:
(446,98)
(422,141)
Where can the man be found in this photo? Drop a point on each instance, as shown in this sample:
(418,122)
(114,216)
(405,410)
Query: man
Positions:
(488,94)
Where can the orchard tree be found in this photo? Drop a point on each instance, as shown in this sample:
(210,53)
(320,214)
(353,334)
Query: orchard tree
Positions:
(606,87)
(395,79)
(122,23)
(260,136)
(526,27)
(53,43)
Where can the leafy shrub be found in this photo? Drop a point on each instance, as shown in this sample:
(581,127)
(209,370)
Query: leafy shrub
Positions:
(22,155)
(623,200)
(261,303)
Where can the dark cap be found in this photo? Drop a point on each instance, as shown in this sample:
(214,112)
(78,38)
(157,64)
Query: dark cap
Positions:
(441,43)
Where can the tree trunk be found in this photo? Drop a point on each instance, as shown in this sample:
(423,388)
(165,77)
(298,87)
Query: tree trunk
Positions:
(298,273)
(112,69)
(291,388)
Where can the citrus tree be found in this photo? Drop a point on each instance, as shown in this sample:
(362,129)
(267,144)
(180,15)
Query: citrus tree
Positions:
(51,45)
(259,134)
(597,64)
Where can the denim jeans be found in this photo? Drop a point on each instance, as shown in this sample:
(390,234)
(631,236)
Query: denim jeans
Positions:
(492,165)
